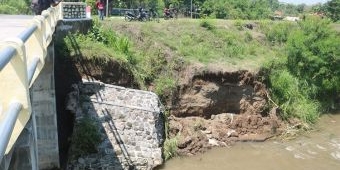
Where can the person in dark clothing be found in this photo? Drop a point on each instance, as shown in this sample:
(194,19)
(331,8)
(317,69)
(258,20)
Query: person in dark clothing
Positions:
(39,5)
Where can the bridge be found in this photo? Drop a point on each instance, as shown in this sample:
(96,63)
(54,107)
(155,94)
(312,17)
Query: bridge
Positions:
(28,123)
(31,133)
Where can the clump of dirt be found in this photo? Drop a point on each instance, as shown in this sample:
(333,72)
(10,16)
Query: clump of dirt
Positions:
(219,108)
(110,72)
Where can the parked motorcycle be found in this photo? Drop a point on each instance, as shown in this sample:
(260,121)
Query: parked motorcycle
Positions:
(141,16)
(170,14)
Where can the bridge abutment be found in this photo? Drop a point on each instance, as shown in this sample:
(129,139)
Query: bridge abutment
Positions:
(129,122)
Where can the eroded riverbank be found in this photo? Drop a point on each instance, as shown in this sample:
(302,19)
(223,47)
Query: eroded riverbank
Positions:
(319,149)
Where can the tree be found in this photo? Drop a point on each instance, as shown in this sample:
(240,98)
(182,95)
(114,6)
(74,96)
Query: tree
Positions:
(301,8)
(332,10)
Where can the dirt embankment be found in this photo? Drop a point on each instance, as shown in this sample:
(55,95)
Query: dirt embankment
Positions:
(219,108)
(210,108)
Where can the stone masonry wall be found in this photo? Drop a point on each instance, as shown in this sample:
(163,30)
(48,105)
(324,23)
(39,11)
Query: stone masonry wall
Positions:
(130,122)
(73,10)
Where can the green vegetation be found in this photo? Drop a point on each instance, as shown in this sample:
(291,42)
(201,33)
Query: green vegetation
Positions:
(278,33)
(85,138)
(15,7)
(231,9)
(170,148)
(207,41)
(170,144)
(292,98)
(300,60)
(102,44)
(298,57)
(221,9)
(307,81)
(314,58)
(331,9)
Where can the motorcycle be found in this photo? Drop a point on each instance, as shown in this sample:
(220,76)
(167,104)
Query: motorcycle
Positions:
(142,16)
(170,13)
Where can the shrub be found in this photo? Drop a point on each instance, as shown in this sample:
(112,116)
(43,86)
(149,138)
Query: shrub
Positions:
(306,110)
(85,138)
(293,97)
(279,33)
(6,9)
(248,37)
(205,23)
(164,86)
(15,7)
(239,25)
(170,148)
(314,57)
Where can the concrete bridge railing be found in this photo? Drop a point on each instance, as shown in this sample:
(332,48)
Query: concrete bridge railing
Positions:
(21,60)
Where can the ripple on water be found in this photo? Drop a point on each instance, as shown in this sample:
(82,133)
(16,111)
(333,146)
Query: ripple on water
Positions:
(312,152)
(299,156)
(335,143)
(320,147)
(336,155)
(290,148)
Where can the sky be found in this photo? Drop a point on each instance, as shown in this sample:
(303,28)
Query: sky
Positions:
(308,2)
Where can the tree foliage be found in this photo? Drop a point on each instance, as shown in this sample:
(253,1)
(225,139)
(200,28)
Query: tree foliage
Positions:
(15,7)
(229,9)
(314,57)
(223,9)
(332,9)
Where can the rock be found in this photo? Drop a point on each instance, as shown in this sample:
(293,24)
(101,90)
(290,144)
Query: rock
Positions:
(206,131)
(184,143)
(230,132)
(81,161)
(213,142)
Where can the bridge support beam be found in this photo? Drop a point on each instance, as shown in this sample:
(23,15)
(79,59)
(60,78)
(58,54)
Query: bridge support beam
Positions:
(45,115)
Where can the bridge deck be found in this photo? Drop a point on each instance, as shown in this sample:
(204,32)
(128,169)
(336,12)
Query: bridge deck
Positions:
(13,25)
(27,86)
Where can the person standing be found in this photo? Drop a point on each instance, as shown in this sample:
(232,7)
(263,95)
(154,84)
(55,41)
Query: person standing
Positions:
(39,5)
(100,8)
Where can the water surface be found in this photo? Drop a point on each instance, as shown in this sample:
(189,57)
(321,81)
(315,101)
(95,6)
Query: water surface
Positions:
(317,150)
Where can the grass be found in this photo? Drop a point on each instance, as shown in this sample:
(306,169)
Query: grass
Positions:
(163,48)
(170,148)
(85,138)
(336,26)
(209,41)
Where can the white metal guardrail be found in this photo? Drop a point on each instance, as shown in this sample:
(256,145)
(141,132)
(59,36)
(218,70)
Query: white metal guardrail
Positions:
(21,60)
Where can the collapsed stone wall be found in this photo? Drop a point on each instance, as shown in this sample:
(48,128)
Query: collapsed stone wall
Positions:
(130,122)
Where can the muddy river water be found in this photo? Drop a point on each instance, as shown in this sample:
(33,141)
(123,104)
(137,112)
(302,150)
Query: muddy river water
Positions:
(317,150)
